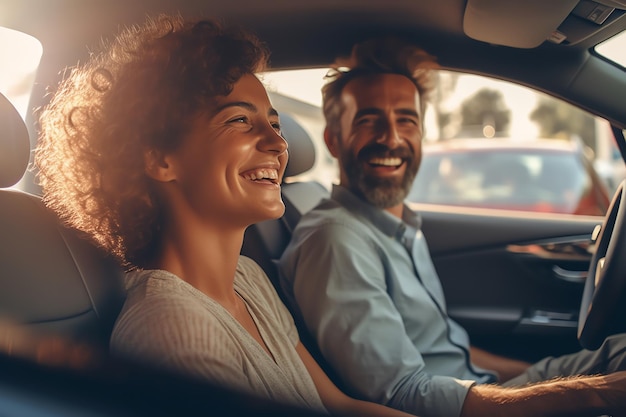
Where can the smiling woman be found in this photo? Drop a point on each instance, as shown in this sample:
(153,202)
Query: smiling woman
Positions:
(164,148)
(519,303)
(230,165)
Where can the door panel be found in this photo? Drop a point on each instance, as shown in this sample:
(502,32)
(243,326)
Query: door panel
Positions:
(513,280)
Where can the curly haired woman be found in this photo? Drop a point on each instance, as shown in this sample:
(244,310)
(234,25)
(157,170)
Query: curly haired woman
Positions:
(164,148)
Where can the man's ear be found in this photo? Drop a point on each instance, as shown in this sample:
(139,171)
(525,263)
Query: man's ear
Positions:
(330,139)
(158,165)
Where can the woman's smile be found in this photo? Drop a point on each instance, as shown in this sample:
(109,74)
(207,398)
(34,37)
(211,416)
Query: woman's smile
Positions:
(262,175)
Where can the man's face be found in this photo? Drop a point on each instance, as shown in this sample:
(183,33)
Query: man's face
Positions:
(379,145)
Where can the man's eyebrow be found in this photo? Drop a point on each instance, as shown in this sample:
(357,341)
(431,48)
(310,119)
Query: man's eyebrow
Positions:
(407,112)
(368,111)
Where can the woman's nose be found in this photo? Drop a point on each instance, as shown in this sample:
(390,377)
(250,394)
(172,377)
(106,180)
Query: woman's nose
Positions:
(273,141)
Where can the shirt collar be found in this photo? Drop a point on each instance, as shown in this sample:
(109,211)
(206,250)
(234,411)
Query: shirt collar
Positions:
(381,219)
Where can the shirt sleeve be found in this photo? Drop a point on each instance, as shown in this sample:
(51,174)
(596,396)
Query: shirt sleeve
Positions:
(338,283)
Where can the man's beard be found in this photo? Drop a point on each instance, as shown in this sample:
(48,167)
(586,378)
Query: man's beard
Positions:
(380,192)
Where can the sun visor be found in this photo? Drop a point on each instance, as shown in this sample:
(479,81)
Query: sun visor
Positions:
(618,4)
(515,23)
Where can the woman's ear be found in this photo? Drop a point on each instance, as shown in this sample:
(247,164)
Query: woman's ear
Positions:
(330,139)
(158,165)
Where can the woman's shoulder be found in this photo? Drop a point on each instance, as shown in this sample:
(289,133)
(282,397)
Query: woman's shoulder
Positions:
(252,281)
(248,265)
(159,302)
(149,278)
(155,284)
(251,276)
(157,295)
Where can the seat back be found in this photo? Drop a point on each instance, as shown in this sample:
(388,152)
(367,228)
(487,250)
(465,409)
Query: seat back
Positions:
(265,241)
(53,279)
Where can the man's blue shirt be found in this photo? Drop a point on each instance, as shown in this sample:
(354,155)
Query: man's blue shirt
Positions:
(363,282)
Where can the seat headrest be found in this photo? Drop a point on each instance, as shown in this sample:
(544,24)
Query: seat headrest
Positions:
(14,144)
(301,148)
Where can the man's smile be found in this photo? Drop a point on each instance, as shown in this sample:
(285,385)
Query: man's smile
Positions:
(394,162)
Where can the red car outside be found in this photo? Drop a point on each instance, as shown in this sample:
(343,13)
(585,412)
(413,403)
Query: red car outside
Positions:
(542,175)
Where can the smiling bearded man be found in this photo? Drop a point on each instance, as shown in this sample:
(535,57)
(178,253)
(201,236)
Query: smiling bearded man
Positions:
(380,191)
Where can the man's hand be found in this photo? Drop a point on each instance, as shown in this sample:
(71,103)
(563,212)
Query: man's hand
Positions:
(574,396)
(506,368)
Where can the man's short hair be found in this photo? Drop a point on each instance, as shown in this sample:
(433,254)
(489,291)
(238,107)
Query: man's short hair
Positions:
(389,55)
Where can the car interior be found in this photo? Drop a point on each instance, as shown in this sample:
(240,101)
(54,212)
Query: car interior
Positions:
(84,311)
(91,282)
(92,293)
(531,272)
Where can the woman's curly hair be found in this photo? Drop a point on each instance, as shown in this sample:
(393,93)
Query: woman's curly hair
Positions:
(386,55)
(138,94)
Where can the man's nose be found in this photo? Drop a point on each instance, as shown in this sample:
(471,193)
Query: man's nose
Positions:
(389,135)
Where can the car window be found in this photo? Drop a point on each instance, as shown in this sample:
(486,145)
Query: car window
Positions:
(613,49)
(565,159)
(521,178)
(20,54)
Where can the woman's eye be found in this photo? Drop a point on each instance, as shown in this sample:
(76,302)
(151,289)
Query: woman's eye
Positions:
(276,127)
(239,119)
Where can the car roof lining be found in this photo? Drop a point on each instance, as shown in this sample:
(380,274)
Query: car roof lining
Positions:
(506,22)
(70,28)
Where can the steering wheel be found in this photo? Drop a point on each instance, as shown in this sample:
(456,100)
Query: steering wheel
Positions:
(603,306)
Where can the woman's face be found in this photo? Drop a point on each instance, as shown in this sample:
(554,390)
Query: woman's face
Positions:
(230,167)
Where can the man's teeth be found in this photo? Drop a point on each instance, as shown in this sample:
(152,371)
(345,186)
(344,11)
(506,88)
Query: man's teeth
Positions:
(261,174)
(389,162)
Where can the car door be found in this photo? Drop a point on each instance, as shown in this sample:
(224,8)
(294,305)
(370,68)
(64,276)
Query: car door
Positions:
(514,281)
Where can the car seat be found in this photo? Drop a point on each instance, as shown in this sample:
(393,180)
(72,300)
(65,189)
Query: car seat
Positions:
(53,279)
(265,241)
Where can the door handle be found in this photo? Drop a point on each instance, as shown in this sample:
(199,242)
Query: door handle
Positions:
(569,275)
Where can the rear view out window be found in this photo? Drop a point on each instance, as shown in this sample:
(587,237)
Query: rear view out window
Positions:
(527,180)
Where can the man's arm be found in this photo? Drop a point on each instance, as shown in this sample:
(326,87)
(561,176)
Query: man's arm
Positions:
(506,368)
(339,286)
(575,396)
(335,401)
